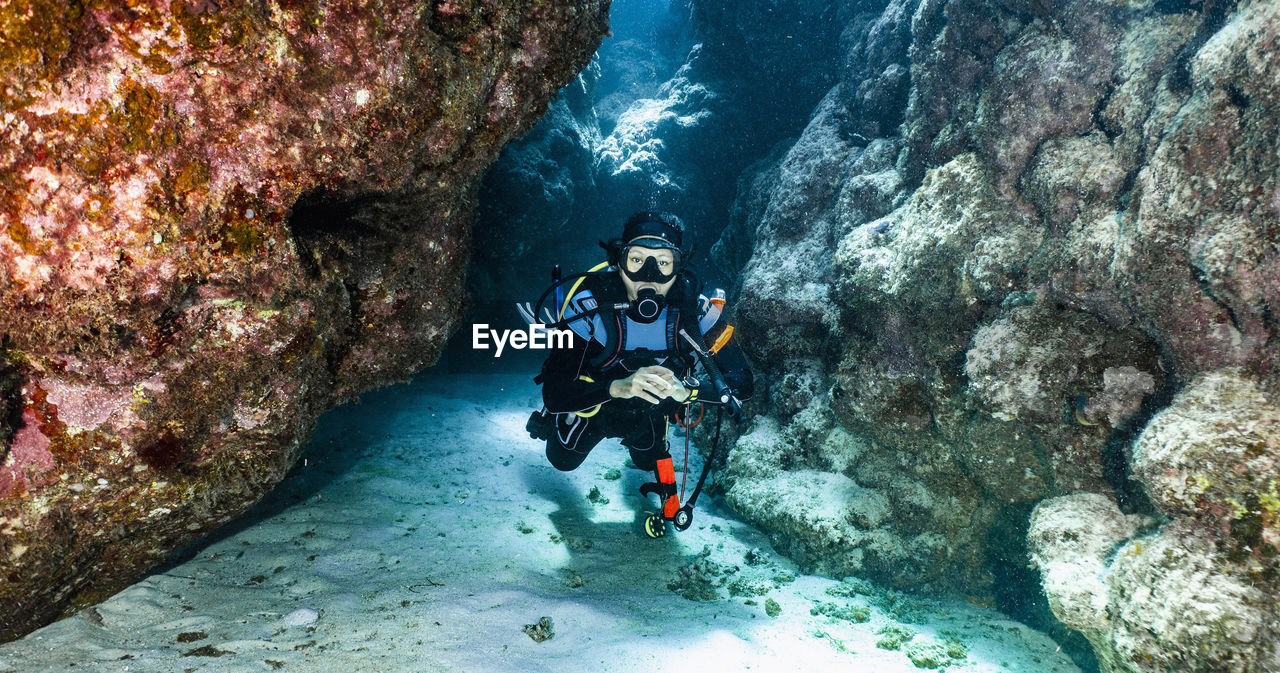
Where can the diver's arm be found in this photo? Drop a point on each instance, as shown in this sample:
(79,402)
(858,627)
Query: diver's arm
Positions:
(733,367)
(563,386)
(737,375)
(736,371)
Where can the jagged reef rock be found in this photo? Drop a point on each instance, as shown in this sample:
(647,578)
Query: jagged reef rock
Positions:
(1211,456)
(645,49)
(651,154)
(216,221)
(1198,593)
(1073,217)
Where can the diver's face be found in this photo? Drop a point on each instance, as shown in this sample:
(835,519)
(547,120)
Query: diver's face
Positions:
(635,257)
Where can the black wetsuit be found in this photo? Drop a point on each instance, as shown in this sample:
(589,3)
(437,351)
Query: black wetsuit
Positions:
(577,379)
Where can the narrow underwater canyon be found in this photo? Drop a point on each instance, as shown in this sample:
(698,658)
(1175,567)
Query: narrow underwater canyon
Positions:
(1005,270)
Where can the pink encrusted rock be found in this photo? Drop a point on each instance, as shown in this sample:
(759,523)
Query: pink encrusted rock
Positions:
(30,457)
(216,221)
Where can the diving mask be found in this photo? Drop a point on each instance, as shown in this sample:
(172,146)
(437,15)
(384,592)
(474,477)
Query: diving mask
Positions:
(650,268)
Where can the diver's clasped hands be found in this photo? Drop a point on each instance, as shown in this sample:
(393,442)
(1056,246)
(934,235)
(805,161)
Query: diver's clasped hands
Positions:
(652,384)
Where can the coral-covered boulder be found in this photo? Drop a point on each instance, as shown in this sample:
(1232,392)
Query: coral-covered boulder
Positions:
(1172,599)
(1041,365)
(216,221)
(1204,236)
(1214,456)
(1071,541)
(804,484)
(1198,593)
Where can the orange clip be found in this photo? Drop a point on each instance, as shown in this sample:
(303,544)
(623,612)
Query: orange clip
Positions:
(722,339)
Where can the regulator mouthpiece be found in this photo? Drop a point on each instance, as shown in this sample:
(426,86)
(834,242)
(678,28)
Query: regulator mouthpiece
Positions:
(648,305)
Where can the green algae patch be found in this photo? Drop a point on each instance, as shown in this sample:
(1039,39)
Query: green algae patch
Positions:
(35,35)
(902,607)
(137,116)
(246,222)
(850,587)
(21,235)
(199,28)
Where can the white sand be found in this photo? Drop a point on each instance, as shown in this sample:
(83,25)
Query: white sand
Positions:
(398,547)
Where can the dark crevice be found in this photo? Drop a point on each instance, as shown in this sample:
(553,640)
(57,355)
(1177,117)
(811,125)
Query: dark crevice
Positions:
(1269,321)
(319,212)
(1126,188)
(1125,196)
(1215,15)
(1176,6)
(11,380)
(1099,121)
(1117,453)
(1019,591)
(319,216)
(1203,281)
(1238,97)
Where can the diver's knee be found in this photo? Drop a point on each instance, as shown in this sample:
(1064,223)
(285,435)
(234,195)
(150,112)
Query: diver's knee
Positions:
(563,459)
(564,465)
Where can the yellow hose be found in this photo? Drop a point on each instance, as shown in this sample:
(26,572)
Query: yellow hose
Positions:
(574,289)
(596,408)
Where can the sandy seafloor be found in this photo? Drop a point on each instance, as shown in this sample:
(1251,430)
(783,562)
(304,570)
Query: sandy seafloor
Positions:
(425,530)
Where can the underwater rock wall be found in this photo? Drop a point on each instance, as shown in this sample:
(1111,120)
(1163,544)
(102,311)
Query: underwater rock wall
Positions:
(982,304)
(749,80)
(216,221)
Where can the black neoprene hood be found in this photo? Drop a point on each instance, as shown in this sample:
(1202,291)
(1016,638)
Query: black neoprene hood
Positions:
(658,230)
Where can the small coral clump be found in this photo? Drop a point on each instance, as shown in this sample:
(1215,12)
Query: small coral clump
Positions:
(746,587)
(936,655)
(850,613)
(699,579)
(542,631)
(893,636)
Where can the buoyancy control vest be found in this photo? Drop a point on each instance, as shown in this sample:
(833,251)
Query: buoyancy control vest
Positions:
(621,336)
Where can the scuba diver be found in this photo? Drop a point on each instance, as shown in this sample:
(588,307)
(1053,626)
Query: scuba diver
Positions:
(639,327)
